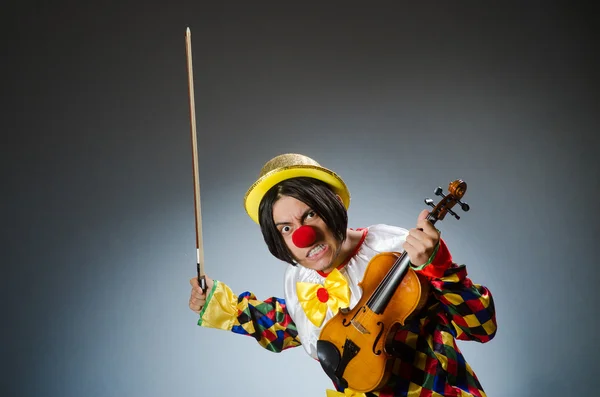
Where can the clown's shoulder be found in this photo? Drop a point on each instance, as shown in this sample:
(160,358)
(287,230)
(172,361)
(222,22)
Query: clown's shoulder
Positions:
(383,238)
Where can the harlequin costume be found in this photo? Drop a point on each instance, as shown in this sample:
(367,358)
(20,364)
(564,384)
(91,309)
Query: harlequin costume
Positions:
(429,362)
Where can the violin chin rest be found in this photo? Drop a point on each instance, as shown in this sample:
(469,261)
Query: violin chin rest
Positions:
(330,358)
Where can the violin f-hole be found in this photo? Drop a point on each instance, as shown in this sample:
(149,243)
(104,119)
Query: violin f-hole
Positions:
(375,350)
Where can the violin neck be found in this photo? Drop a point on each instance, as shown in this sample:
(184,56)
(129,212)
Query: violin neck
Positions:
(384,292)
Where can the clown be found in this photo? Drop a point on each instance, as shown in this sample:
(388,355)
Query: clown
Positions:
(301,208)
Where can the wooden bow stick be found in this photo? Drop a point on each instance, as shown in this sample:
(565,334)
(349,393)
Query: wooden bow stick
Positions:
(197,212)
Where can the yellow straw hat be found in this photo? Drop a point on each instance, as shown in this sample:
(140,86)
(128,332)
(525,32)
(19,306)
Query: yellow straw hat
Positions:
(287,166)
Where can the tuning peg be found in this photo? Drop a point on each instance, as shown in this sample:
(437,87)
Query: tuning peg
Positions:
(454,214)
(429,202)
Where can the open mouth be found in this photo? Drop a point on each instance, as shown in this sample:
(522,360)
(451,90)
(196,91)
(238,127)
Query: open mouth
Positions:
(316,251)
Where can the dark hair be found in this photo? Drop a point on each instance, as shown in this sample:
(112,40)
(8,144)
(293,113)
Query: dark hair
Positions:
(312,192)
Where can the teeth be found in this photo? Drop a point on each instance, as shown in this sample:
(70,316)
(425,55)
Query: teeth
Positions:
(316,250)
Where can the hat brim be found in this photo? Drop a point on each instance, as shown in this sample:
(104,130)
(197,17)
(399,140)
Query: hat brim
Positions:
(258,190)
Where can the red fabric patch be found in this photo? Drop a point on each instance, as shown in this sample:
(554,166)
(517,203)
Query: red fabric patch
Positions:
(401,335)
(323,295)
(452,367)
(475,305)
(431,365)
(460,321)
(425,393)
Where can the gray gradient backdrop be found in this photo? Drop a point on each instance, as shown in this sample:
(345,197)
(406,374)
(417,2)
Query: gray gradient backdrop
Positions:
(98,227)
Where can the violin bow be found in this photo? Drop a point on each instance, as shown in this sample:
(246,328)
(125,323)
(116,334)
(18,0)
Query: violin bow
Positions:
(197,212)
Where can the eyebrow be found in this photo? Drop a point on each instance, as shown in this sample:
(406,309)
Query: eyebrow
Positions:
(302,218)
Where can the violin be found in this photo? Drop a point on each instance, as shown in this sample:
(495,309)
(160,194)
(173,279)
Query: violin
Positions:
(353,345)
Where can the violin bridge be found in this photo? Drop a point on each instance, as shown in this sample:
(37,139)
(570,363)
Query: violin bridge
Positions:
(360,327)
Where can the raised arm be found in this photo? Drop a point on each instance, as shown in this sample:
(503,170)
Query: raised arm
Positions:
(266,321)
(470,307)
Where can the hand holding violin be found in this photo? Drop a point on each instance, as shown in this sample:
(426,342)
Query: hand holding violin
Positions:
(421,240)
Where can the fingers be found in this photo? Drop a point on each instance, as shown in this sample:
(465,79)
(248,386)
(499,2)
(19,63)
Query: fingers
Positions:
(196,303)
(417,247)
(425,225)
(425,237)
(422,215)
(197,297)
(209,282)
(421,240)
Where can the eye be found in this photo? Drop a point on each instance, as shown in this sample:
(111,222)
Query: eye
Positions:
(285,230)
(311,214)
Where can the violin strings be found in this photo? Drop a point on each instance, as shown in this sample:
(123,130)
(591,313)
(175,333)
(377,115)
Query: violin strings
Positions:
(383,285)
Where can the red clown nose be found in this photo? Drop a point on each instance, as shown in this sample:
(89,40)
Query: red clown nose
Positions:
(304,236)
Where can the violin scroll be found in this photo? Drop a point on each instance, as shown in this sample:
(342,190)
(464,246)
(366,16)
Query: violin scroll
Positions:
(456,191)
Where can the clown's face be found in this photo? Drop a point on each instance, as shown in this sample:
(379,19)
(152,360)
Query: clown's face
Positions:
(289,214)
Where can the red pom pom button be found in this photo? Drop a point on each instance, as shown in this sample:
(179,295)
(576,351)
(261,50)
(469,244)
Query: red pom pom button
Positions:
(323,295)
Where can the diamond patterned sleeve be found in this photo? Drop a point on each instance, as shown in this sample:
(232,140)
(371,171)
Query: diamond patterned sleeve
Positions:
(266,321)
(470,307)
